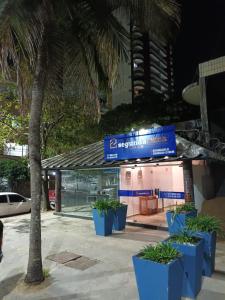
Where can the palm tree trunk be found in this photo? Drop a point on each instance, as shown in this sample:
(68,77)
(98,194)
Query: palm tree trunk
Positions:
(34,270)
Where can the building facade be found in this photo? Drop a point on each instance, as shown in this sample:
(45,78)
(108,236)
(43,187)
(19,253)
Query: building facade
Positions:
(149,186)
(149,70)
(151,66)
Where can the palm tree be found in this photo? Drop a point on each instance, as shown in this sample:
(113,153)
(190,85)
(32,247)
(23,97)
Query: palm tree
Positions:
(66,46)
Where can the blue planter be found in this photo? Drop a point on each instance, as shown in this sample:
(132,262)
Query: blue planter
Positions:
(177,223)
(158,281)
(120,215)
(103,222)
(209,252)
(192,262)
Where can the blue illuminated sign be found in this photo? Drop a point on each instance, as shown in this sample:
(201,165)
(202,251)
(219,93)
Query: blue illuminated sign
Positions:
(156,142)
(162,194)
(171,195)
(134,193)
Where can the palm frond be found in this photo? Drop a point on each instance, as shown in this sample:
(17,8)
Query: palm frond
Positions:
(160,17)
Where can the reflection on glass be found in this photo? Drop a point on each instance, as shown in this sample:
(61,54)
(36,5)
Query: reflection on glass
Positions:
(80,188)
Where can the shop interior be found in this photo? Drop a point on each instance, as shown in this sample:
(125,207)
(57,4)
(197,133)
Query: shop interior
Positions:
(141,187)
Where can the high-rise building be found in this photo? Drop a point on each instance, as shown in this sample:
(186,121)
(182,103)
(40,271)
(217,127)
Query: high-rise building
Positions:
(149,70)
(151,66)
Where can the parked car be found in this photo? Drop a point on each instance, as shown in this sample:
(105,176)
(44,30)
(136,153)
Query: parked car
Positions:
(1,238)
(13,203)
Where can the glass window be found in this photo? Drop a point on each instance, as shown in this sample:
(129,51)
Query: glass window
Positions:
(3,199)
(82,187)
(15,198)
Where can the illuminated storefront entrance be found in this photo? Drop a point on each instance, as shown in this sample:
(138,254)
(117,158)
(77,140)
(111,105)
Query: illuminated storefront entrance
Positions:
(150,189)
(149,185)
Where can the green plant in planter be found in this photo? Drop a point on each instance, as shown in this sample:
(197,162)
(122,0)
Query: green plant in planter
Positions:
(102,205)
(207,228)
(184,238)
(161,253)
(186,207)
(176,218)
(192,261)
(204,223)
(114,204)
(158,272)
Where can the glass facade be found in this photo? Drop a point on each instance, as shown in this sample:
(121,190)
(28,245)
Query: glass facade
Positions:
(80,188)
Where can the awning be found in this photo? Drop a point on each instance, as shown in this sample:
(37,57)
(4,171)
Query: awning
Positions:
(92,156)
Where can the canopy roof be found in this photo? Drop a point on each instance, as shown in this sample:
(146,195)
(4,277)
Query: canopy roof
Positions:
(92,156)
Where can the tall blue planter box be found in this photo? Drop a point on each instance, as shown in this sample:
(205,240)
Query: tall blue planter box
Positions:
(192,262)
(209,252)
(120,215)
(157,281)
(103,222)
(176,223)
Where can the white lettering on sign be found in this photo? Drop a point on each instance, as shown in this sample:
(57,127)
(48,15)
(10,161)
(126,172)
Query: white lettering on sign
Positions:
(140,142)
(115,155)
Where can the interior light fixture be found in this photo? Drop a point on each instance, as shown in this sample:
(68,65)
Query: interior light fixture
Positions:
(143,131)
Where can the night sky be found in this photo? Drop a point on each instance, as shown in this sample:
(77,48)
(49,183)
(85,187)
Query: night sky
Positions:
(201,37)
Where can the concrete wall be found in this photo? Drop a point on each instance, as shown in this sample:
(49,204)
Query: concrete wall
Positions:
(218,173)
(204,188)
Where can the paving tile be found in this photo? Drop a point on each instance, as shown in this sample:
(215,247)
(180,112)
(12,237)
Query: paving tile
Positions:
(82,263)
(63,257)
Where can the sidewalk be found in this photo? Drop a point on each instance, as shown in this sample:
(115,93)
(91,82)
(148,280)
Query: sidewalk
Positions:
(112,276)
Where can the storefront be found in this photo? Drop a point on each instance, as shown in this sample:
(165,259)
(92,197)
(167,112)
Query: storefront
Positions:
(173,171)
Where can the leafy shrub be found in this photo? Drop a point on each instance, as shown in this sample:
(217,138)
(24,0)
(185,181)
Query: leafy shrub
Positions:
(184,238)
(161,253)
(204,223)
(102,205)
(46,272)
(114,204)
(186,207)
(14,171)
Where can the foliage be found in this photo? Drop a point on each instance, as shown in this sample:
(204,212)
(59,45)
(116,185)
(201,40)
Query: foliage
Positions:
(184,208)
(161,253)
(77,129)
(102,205)
(14,170)
(184,237)
(204,223)
(67,126)
(46,272)
(114,204)
(126,116)
(14,125)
